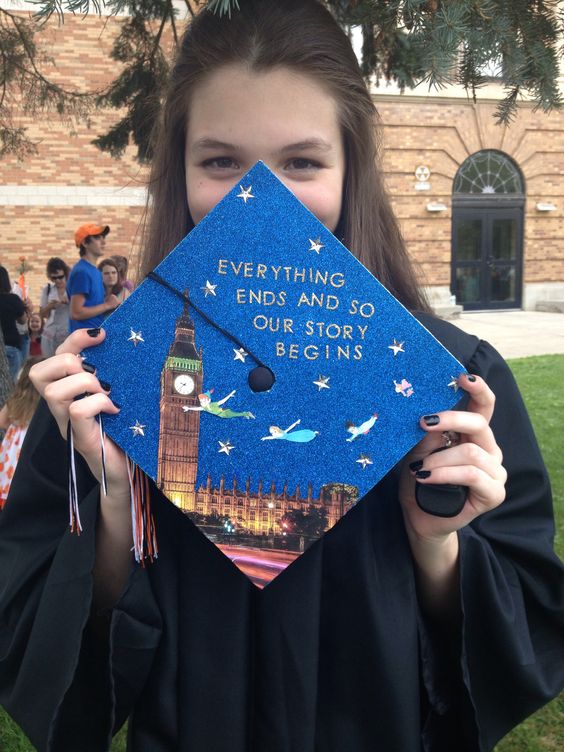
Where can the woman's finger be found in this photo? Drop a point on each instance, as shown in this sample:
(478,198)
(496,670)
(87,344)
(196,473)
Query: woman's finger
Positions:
(80,339)
(67,360)
(84,418)
(83,414)
(66,390)
(462,454)
(482,399)
(53,369)
(484,493)
(472,425)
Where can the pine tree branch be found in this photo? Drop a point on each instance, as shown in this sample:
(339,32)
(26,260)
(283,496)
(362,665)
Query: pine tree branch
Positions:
(31,59)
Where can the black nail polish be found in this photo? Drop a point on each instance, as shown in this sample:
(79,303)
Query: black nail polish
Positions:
(115,404)
(93,332)
(422,474)
(105,386)
(88,367)
(471,377)
(417,465)
(431,420)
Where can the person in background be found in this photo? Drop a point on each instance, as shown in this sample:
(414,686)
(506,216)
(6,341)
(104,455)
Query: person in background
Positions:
(35,329)
(12,313)
(15,417)
(88,301)
(54,306)
(22,328)
(111,279)
(123,265)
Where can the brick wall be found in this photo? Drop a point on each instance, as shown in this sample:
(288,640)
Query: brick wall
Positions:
(69,181)
(441,133)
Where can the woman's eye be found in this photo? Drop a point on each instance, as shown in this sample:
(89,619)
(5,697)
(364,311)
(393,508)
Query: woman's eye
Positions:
(221,163)
(301,163)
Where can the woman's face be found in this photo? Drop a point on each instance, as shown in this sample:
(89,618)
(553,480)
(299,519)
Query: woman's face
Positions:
(109,275)
(285,119)
(58,278)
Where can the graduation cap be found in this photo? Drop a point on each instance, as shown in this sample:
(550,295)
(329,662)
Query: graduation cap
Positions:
(267,381)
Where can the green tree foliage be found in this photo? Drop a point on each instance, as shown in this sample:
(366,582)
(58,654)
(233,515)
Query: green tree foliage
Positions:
(407,41)
(24,88)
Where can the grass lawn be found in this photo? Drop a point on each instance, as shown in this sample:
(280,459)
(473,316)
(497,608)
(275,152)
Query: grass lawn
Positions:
(541,382)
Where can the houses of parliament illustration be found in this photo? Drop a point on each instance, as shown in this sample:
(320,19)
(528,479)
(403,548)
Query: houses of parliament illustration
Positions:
(259,513)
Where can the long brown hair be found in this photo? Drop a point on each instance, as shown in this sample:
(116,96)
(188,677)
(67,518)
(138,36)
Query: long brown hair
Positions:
(300,35)
(24,398)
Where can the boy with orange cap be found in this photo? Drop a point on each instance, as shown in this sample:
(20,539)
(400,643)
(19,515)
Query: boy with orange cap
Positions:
(88,301)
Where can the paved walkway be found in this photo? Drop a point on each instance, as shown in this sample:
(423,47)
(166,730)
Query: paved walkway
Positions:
(517,334)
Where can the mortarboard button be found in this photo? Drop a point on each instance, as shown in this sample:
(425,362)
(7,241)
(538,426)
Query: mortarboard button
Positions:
(261,379)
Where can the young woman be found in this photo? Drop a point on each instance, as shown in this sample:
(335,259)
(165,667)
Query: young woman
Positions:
(54,306)
(398,631)
(122,264)
(112,282)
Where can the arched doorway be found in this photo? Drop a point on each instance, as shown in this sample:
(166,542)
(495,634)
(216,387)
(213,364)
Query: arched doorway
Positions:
(487,232)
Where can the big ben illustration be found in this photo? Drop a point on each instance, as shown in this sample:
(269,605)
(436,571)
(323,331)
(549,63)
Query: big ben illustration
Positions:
(179,433)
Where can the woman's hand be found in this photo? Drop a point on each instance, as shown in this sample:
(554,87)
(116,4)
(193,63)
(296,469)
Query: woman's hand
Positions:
(474,461)
(74,393)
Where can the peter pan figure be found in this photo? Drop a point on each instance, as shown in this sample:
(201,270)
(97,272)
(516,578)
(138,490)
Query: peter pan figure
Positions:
(361,430)
(215,408)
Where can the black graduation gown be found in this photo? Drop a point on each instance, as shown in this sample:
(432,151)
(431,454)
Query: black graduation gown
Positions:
(332,656)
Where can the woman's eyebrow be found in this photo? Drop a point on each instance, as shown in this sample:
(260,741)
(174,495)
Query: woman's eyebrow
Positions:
(317,144)
(203,144)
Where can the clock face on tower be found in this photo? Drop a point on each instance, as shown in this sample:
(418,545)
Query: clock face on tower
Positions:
(184,384)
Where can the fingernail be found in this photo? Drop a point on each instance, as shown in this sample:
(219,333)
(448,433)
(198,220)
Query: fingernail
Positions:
(105,386)
(471,377)
(115,404)
(417,465)
(93,332)
(431,420)
(422,474)
(88,367)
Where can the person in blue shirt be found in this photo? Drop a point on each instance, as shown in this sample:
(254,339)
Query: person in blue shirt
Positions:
(85,288)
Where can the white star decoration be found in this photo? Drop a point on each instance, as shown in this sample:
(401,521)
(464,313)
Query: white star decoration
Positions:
(245,193)
(138,429)
(209,289)
(316,245)
(136,338)
(240,354)
(454,383)
(322,382)
(226,447)
(397,347)
(364,460)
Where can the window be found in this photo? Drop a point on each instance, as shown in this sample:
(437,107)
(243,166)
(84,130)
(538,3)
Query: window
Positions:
(488,172)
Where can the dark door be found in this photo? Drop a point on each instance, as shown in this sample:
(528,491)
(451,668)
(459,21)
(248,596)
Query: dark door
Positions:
(487,254)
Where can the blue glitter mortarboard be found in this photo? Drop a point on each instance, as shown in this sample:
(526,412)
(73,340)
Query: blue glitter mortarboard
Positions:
(354,371)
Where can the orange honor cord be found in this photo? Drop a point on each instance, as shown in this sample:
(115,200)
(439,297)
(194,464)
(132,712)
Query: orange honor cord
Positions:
(142,522)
